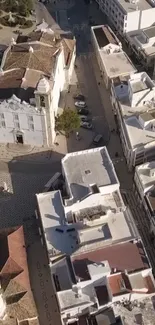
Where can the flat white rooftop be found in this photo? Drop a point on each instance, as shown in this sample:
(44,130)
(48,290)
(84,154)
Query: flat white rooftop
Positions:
(144,39)
(95,226)
(128,6)
(52,214)
(112,227)
(70,298)
(84,168)
(136,94)
(110,202)
(138,136)
(117,64)
(146,177)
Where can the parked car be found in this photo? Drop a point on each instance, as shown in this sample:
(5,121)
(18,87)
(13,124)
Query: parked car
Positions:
(84,118)
(79,97)
(97,139)
(80,104)
(86,125)
(82,111)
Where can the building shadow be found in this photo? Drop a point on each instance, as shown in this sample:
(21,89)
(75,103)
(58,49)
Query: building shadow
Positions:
(25,178)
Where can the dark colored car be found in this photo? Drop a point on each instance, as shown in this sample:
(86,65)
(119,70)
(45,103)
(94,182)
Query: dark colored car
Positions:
(82,111)
(97,139)
(79,97)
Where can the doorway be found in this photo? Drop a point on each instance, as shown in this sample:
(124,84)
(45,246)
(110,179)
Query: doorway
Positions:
(19,138)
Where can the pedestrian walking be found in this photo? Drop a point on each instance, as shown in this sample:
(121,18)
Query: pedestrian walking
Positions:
(77,136)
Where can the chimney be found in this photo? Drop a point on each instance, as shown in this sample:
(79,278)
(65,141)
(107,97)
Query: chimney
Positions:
(31,49)
(79,292)
(13,42)
(23,79)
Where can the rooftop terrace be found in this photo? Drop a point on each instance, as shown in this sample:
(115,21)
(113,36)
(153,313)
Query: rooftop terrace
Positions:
(146,173)
(143,312)
(117,64)
(91,225)
(104,36)
(144,39)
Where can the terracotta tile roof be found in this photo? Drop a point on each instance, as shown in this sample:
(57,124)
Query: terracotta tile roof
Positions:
(31,78)
(12,78)
(14,276)
(126,256)
(42,58)
(68,45)
(149,284)
(53,40)
(16,263)
(109,34)
(37,53)
(119,284)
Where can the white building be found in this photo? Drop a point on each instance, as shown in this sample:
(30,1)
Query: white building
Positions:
(128,15)
(90,282)
(106,260)
(141,42)
(133,101)
(113,62)
(34,71)
(144,185)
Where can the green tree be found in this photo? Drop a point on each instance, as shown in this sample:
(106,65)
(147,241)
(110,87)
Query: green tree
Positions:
(25,7)
(67,122)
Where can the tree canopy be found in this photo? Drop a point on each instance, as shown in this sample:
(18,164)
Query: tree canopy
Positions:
(68,121)
(22,7)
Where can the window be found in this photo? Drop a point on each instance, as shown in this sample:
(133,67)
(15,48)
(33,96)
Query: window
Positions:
(31,127)
(17,125)
(16,117)
(3,125)
(30,123)
(42,101)
(2,116)
(2,120)
(30,118)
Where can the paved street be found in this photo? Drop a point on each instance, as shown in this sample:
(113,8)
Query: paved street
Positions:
(27,175)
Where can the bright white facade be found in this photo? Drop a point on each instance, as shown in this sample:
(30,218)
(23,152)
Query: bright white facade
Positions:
(96,231)
(133,102)
(34,72)
(113,62)
(141,42)
(126,16)
(144,185)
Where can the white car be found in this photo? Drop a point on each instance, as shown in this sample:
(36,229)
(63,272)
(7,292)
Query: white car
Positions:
(80,104)
(86,125)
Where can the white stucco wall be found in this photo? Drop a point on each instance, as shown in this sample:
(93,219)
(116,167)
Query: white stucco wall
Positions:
(71,67)
(147,18)
(59,82)
(132,20)
(8,133)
